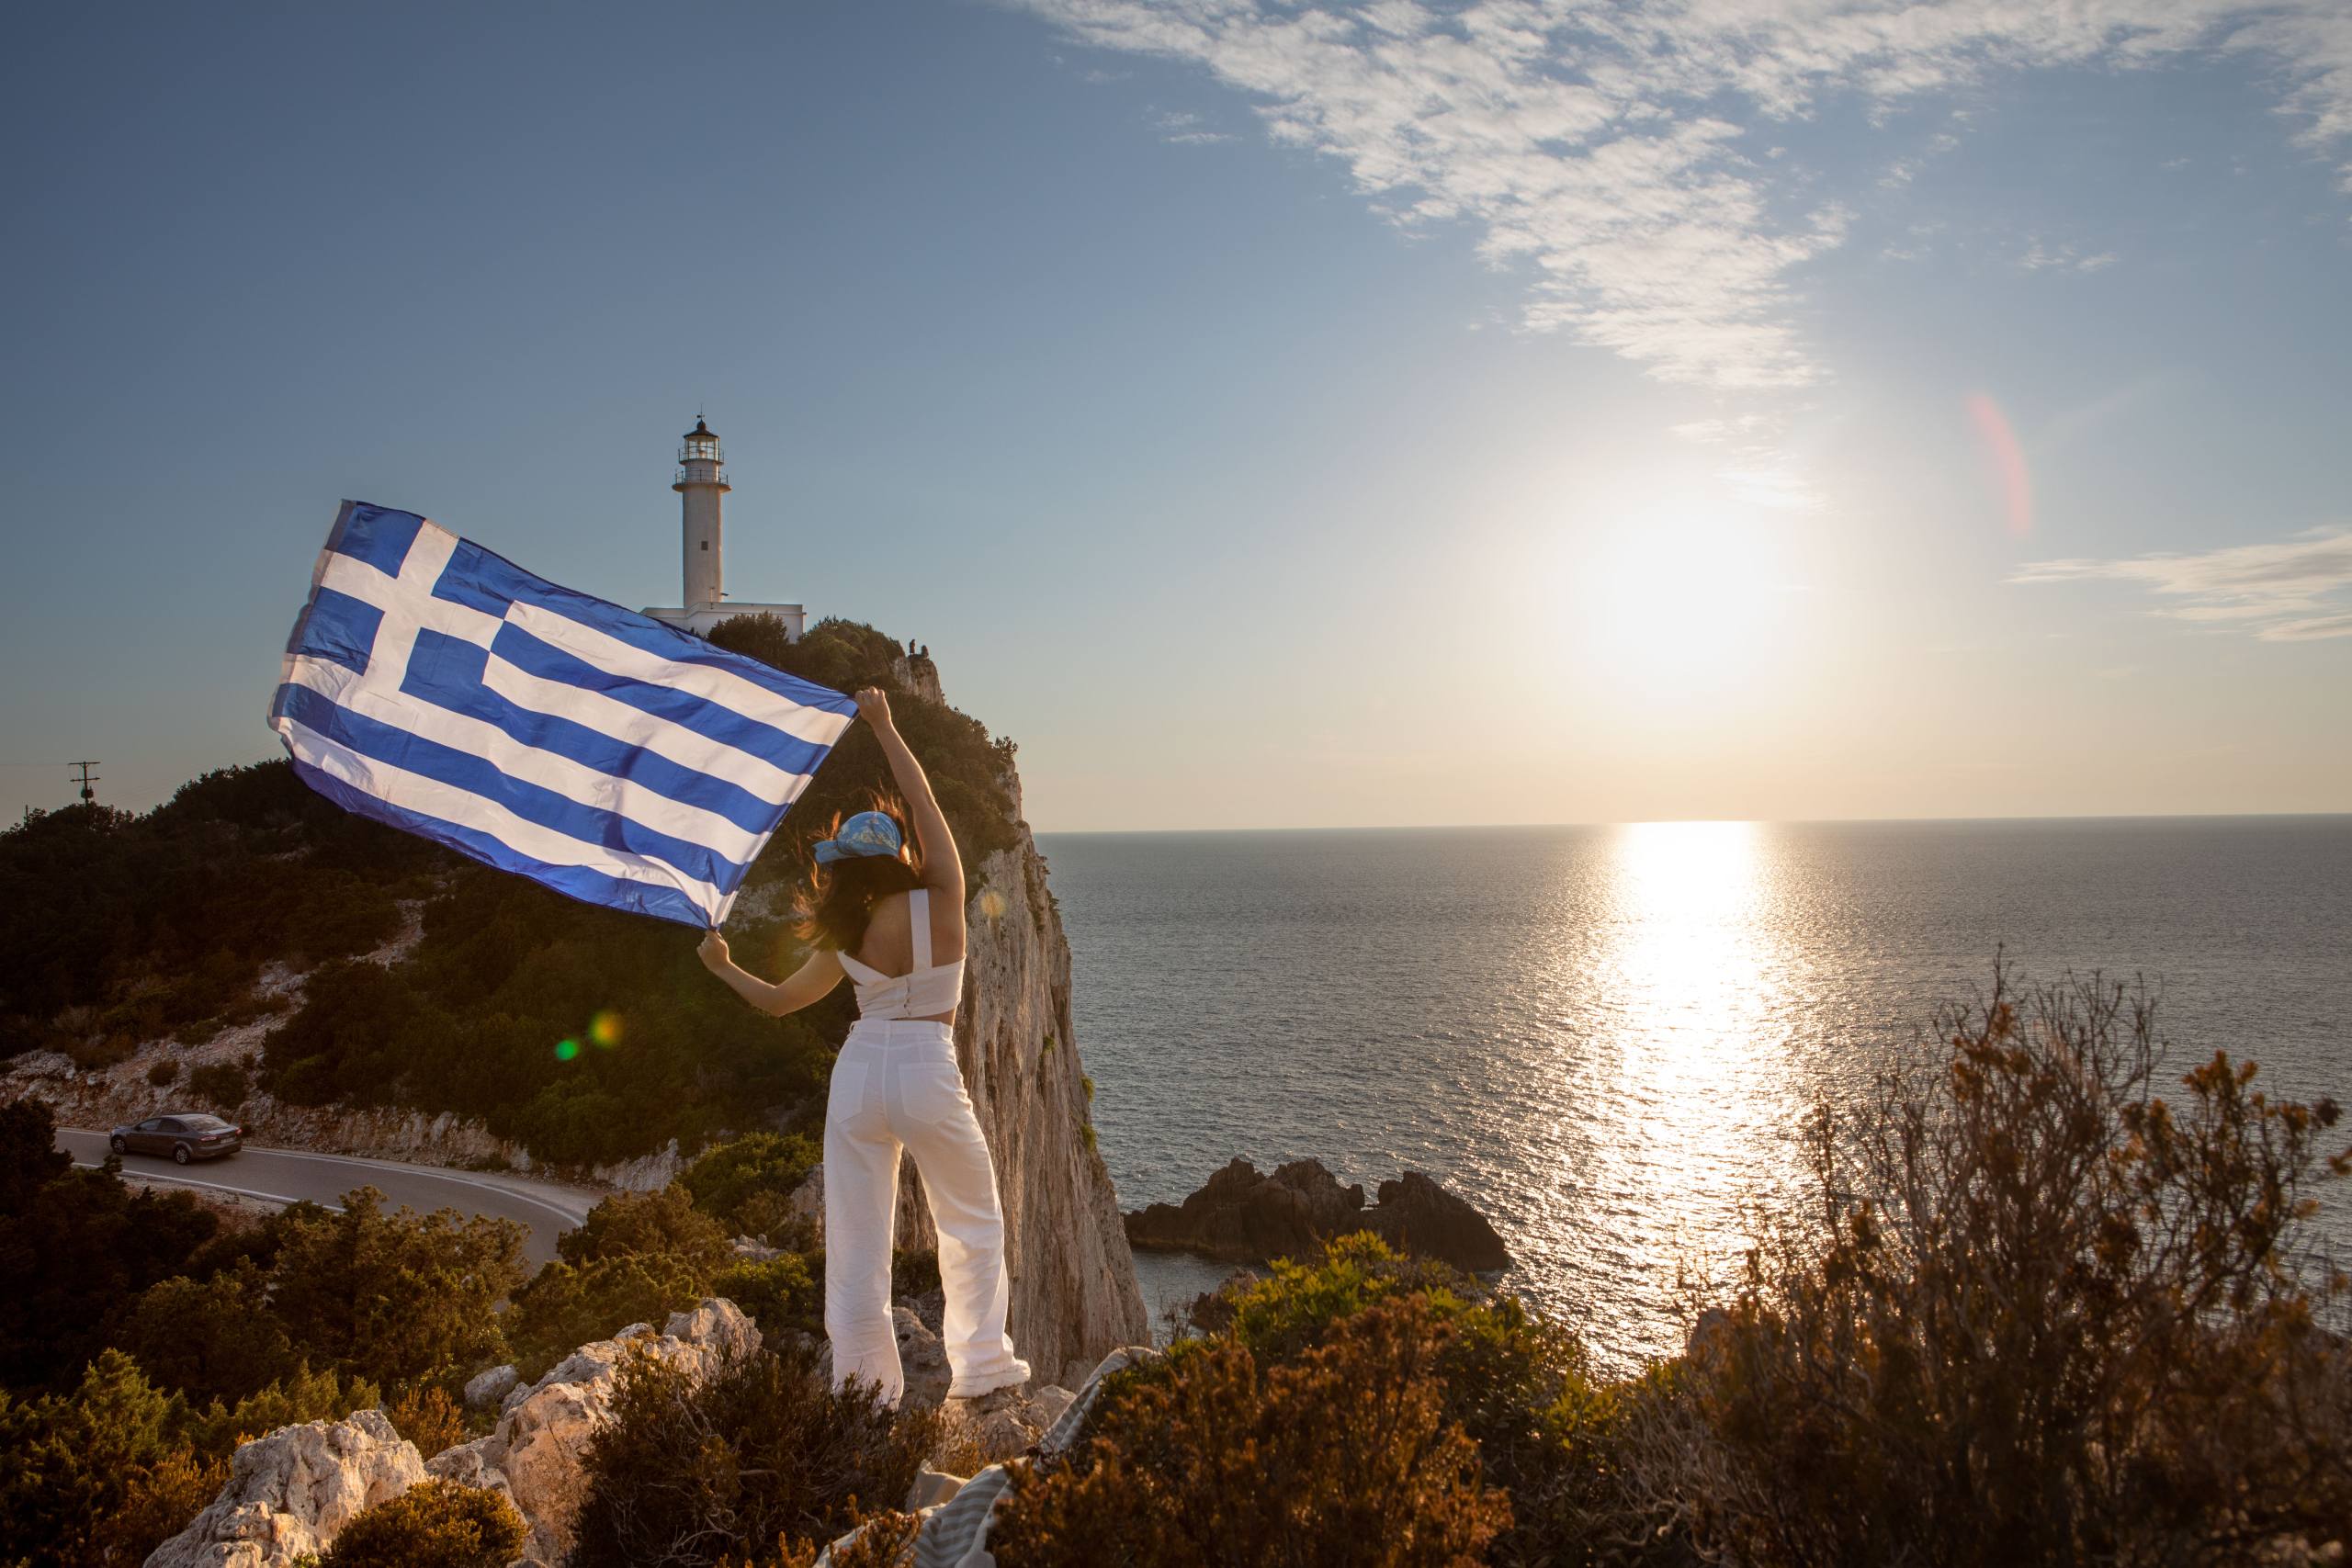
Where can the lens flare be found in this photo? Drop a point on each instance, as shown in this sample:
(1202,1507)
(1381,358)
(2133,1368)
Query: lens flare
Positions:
(2007,458)
(566,1049)
(604,1029)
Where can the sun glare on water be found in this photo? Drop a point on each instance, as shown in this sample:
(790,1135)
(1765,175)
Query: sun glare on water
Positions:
(1681,1092)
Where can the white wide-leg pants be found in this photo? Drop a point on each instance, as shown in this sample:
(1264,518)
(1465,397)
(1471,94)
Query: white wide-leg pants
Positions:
(896,1083)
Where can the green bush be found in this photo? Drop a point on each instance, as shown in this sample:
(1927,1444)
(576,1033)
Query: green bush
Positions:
(102,1476)
(299,1396)
(163,1072)
(427,1417)
(638,1258)
(688,1474)
(162,920)
(1342,1457)
(76,1248)
(743,1183)
(212,1338)
(434,1524)
(566,1306)
(222,1084)
(637,1224)
(398,1298)
(782,1294)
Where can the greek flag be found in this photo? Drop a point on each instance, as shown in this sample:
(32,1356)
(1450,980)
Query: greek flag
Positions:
(435,686)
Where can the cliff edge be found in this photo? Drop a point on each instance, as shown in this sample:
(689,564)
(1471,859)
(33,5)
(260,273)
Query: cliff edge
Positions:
(1075,1298)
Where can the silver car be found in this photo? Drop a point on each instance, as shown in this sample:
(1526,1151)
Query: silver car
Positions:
(185,1136)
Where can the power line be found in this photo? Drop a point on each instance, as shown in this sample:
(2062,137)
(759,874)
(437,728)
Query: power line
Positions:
(88,794)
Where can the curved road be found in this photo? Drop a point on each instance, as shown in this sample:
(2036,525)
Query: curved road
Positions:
(285,1176)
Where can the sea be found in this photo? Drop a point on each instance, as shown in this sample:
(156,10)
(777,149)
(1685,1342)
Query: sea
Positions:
(1608,1037)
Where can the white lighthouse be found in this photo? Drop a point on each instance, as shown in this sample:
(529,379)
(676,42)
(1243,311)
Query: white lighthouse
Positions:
(701,482)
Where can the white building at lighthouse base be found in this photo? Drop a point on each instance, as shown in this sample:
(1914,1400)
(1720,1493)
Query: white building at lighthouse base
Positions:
(699,618)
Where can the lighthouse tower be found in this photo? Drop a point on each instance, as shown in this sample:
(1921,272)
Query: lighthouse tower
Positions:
(701,482)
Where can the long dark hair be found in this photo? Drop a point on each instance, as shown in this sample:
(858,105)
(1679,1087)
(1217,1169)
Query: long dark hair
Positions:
(839,902)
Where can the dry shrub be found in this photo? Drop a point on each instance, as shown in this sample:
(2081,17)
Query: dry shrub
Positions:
(434,1524)
(884,1540)
(1341,1458)
(2037,1314)
(428,1417)
(1522,1388)
(158,1501)
(763,1450)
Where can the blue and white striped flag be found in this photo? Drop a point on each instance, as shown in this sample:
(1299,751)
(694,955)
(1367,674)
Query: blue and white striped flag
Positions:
(440,688)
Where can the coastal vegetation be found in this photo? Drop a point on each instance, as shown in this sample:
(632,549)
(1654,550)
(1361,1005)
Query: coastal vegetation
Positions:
(2045,1305)
(762,1457)
(436,1524)
(141,1341)
(2048,1301)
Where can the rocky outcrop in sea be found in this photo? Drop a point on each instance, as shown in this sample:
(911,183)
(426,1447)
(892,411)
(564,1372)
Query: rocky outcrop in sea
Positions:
(1242,1215)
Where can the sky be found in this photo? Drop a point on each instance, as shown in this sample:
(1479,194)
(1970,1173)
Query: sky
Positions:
(1272,414)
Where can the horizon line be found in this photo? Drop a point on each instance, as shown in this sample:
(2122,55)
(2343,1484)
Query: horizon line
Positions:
(1755,821)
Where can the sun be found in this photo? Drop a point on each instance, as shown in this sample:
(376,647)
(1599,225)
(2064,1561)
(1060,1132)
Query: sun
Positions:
(1679,601)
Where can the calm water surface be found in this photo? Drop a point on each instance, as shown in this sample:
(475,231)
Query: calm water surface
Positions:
(1604,1036)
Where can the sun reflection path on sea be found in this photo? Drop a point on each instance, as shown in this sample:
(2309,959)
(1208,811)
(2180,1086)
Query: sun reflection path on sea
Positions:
(1671,1096)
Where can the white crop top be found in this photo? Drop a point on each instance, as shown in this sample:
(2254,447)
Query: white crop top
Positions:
(923,991)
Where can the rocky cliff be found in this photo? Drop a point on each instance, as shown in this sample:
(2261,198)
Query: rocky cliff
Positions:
(1074,1293)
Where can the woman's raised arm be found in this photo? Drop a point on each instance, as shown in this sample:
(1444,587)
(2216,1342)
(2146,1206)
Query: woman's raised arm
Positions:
(942,868)
(805,985)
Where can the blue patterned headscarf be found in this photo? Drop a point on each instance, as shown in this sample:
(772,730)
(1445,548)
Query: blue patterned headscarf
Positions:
(867,833)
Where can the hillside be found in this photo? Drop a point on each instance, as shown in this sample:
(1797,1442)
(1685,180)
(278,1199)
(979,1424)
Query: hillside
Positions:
(333,984)
(247,907)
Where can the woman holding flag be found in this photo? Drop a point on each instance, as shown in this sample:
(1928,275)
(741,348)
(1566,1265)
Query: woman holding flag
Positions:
(870,915)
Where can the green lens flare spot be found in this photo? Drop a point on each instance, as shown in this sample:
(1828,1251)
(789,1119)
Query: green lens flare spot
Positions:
(566,1049)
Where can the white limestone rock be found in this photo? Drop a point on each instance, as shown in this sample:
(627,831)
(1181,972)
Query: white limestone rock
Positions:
(486,1389)
(996,1428)
(922,1362)
(533,1456)
(291,1492)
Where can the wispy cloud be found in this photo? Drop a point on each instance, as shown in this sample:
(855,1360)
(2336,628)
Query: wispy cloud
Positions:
(2296,590)
(1607,151)
(2040,257)
(1187,130)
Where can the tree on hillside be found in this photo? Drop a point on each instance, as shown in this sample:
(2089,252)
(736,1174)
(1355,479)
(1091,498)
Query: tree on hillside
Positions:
(75,1246)
(638,1257)
(397,1298)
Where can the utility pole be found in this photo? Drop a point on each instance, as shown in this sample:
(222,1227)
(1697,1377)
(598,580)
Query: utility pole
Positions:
(89,796)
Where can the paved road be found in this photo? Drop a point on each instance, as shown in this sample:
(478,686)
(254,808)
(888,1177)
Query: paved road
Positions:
(287,1175)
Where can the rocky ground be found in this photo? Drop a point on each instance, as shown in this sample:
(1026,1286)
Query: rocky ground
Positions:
(291,1491)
